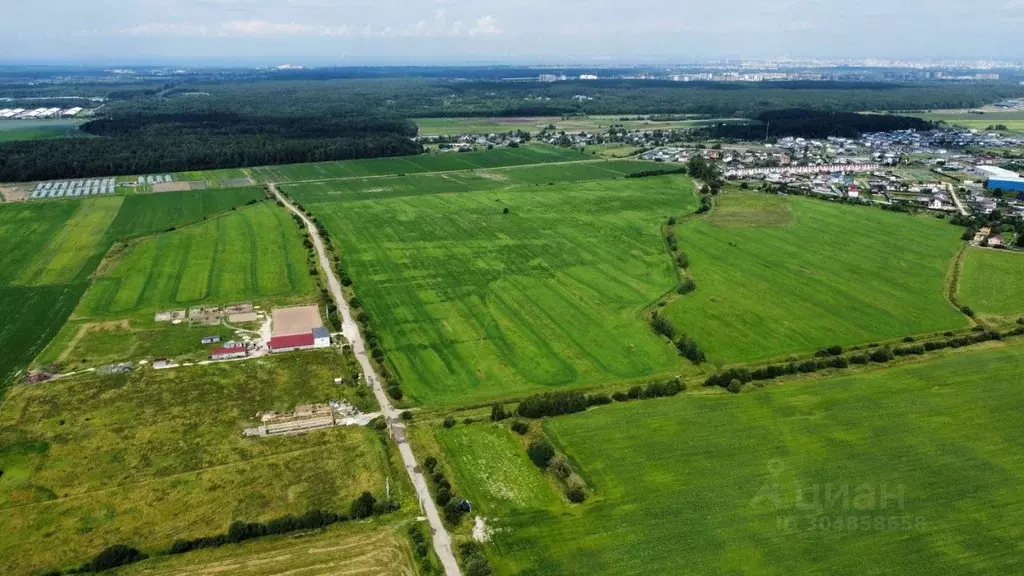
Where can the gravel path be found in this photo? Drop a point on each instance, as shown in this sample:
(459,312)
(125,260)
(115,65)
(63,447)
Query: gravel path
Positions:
(350,329)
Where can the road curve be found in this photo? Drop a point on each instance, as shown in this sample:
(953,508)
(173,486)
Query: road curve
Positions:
(442,540)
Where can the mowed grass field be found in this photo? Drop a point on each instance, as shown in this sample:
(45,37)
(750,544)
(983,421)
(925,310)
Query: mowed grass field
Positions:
(992,282)
(151,213)
(249,254)
(363,549)
(149,457)
(916,469)
(472,304)
(452,161)
(778,276)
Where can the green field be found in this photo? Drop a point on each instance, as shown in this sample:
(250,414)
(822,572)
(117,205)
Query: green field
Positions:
(15,130)
(767,483)
(536,154)
(151,213)
(29,318)
(992,282)
(1014,121)
(250,254)
(471,303)
(153,456)
(477,180)
(777,276)
(25,231)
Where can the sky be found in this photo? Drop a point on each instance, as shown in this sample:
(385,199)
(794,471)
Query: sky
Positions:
(353,32)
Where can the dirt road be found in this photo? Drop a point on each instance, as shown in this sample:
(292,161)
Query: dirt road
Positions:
(442,540)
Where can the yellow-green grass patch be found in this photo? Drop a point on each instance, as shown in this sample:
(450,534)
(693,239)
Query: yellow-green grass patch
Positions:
(494,470)
(75,245)
(992,282)
(153,456)
(363,549)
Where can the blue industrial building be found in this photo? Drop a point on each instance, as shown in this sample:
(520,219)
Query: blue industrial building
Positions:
(1006,184)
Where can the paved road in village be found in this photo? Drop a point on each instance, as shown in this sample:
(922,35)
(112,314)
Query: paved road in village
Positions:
(350,329)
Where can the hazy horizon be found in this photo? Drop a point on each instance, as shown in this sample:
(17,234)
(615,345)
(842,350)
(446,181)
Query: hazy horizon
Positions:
(527,32)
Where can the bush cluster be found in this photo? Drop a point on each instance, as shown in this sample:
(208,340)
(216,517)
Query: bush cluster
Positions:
(657,172)
(474,563)
(444,495)
(362,507)
(689,349)
(652,390)
(421,548)
(552,404)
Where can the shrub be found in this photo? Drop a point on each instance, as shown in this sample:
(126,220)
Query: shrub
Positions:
(635,392)
(967,311)
(882,355)
(620,397)
(662,326)
(688,349)
(498,412)
(683,260)
(561,468)
(114,556)
(449,421)
(520,427)
(576,495)
(552,404)
(687,286)
(395,392)
(908,339)
(835,350)
(406,415)
(362,507)
(859,359)
(598,399)
(444,495)
(541,453)
(453,512)
(430,463)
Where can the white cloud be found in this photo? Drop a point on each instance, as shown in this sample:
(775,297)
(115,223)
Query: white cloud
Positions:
(232,29)
(485,26)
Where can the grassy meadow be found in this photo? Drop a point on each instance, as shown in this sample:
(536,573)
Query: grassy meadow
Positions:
(388,187)
(447,162)
(1014,121)
(18,130)
(249,254)
(472,303)
(922,458)
(153,456)
(992,282)
(778,276)
(454,126)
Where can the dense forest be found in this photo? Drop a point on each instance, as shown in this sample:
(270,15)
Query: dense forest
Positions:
(142,144)
(179,124)
(813,124)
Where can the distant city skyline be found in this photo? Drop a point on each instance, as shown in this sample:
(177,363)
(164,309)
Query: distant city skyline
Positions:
(318,32)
